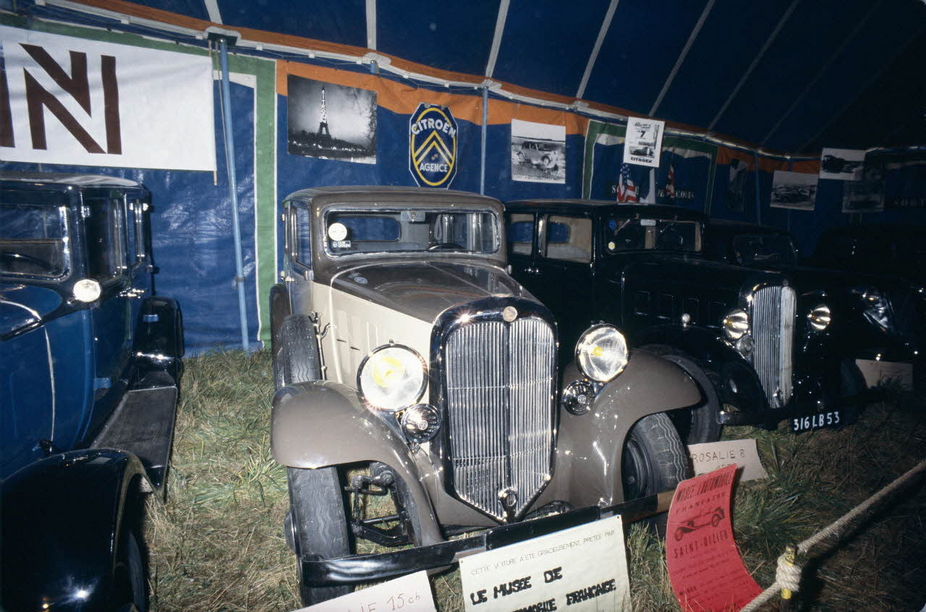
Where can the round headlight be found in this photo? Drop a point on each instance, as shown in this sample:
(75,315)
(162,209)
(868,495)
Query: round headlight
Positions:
(87,290)
(392,377)
(602,353)
(820,317)
(736,324)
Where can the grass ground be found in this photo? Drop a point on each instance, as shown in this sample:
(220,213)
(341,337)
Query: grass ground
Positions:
(217,543)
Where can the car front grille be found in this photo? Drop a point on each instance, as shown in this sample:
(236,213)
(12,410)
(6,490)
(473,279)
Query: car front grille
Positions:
(773,330)
(498,386)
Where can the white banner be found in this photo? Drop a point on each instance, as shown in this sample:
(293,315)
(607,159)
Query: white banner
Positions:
(87,103)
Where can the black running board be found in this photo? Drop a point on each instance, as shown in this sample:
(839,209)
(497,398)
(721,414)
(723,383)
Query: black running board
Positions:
(143,424)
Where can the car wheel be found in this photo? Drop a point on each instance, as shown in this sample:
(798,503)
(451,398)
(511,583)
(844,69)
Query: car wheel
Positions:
(654,459)
(297,358)
(318,520)
(695,425)
(129,576)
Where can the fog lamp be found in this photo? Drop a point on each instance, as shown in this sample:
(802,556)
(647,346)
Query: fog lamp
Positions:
(577,397)
(820,317)
(420,423)
(736,324)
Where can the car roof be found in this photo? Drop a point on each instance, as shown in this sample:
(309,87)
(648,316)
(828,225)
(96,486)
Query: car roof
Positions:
(67,180)
(407,196)
(612,207)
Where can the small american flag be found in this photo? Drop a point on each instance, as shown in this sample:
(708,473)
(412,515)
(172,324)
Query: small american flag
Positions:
(626,190)
(670,184)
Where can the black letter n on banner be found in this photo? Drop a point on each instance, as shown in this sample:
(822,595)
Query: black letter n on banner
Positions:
(76,84)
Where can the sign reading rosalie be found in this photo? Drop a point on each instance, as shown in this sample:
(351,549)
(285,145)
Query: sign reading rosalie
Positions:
(705,567)
(432,145)
(582,568)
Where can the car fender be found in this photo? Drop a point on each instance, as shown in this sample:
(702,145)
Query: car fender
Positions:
(321,424)
(62,518)
(159,334)
(722,362)
(590,446)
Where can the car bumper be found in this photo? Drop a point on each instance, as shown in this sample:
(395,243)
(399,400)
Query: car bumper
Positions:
(379,566)
(771,417)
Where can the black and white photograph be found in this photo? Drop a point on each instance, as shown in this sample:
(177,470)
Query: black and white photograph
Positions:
(736,185)
(867,194)
(331,121)
(795,190)
(842,164)
(538,152)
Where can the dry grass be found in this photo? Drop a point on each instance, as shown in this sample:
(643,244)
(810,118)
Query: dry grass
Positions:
(216,544)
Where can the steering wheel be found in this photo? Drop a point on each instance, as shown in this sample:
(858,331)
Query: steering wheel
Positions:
(42,264)
(446,246)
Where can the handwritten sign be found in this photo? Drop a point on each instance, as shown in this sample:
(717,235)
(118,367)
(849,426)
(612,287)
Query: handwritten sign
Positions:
(714,455)
(583,568)
(705,568)
(410,593)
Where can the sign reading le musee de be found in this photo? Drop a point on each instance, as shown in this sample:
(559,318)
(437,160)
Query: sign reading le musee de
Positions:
(66,100)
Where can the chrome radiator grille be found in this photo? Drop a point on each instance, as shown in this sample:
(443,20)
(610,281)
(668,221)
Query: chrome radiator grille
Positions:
(773,330)
(499,394)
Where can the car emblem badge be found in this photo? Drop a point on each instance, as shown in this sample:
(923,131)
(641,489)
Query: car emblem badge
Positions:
(509,314)
(432,145)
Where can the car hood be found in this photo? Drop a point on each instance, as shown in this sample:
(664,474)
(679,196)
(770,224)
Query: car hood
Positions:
(426,289)
(693,269)
(22,305)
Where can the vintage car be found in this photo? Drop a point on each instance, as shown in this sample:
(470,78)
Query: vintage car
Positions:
(538,153)
(875,320)
(882,249)
(89,364)
(409,363)
(757,352)
(708,517)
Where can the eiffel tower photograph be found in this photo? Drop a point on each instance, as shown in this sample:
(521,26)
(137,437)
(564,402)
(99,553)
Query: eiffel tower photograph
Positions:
(331,121)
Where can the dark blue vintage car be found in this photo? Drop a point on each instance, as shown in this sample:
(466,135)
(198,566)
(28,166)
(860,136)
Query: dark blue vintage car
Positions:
(89,371)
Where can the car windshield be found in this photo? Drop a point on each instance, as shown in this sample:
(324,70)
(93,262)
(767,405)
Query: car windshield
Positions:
(33,240)
(417,230)
(652,235)
(757,250)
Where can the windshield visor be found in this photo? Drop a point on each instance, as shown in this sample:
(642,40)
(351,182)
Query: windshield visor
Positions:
(33,241)
(411,231)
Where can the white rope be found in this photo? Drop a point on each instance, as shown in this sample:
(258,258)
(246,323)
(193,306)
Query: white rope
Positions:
(788,575)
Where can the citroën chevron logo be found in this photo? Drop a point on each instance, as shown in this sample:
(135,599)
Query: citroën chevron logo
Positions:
(432,146)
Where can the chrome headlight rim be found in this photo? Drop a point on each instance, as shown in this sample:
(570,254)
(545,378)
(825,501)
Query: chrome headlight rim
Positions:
(407,393)
(735,324)
(820,317)
(588,362)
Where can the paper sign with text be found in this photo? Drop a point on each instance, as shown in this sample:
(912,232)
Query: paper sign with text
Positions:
(705,567)
(713,455)
(582,568)
(643,143)
(410,593)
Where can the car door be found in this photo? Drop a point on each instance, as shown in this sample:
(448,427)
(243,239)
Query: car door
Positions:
(564,271)
(106,240)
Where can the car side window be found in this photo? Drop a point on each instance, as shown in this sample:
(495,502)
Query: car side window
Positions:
(520,233)
(106,237)
(302,235)
(569,238)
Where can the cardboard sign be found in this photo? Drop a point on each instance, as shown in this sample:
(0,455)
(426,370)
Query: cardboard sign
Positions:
(410,593)
(877,372)
(713,455)
(583,568)
(705,567)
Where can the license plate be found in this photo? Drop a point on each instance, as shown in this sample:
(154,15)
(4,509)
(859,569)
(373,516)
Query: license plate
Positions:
(833,418)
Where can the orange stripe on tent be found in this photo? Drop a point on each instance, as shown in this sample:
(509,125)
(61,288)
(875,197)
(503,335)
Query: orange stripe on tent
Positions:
(403,99)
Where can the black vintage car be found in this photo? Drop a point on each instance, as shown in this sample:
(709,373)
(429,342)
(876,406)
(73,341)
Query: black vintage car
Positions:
(757,350)
(876,319)
(89,371)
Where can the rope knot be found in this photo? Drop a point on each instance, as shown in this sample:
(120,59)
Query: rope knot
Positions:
(788,575)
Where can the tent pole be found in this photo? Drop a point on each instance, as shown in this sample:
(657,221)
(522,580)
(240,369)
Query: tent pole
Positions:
(233,192)
(482,161)
(758,199)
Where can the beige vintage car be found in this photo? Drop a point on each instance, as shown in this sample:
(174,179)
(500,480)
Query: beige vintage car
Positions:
(409,365)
